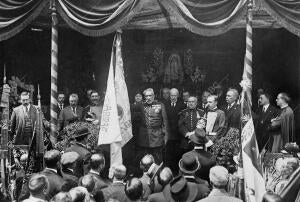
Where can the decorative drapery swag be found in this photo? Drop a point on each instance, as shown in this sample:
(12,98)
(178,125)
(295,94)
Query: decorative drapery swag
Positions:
(15,15)
(285,12)
(101,17)
(98,18)
(205,17)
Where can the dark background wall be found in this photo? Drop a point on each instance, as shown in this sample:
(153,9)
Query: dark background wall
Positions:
(276,63)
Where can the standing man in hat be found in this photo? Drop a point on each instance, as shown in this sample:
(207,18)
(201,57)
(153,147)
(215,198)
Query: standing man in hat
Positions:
(189,165)
(187,122)
(205,158)
(153,130)
(218,176)
(80,146)
(70,114)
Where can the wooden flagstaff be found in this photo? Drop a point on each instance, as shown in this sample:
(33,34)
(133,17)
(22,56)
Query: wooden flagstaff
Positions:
(4,150)
(54,67)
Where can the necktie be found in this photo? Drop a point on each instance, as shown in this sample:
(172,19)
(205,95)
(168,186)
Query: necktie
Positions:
(74,110)
(173,104)
(265,109)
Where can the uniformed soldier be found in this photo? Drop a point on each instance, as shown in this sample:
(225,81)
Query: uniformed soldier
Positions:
(153,128)
(188,119)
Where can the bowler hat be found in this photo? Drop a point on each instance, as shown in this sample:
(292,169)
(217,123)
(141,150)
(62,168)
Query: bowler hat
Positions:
(189,163)
(180,190)
(198,137)
(82,132)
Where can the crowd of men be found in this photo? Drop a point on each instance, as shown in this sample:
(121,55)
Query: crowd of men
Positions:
(171,154)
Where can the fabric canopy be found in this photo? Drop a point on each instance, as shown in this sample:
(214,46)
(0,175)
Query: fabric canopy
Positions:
(98,18)
(206,17)
(15,15)
(285,12)
(101,17)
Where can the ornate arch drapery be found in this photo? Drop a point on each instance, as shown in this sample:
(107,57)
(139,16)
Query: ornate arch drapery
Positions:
(207,18)
(285,12)
(98,18)
(16,15)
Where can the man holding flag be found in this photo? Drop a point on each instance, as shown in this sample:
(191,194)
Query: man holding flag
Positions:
(115,128)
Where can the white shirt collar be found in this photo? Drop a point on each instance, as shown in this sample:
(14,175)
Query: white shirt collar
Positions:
(284,106)
(54,170)
(94,172)
(265,107)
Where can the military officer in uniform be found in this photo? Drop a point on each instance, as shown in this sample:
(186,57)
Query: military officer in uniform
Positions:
(153,128)
(188,119)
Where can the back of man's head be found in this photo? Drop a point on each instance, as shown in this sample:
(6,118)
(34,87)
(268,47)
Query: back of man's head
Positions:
(218,176)
(97,161)
(51,158)
(62,197)
(38,185)
(88,182)
(165,176)
(119,172)
(134,189)
(146,162)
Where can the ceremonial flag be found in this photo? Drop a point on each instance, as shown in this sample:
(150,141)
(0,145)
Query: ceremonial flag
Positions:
(253,179)
(116,128)
(110,128)
(122,95)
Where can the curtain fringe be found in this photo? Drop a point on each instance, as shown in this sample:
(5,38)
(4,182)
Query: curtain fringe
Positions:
(101,31)
(18,28)
(204,30)
(282,21)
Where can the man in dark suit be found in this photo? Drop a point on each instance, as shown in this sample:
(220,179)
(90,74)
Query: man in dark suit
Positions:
(232,110)
(265,113)
(205,158)
(22,121)
(116,190)
(60,102)
(185,97)
(204,97)
(173,153)
(51,159)
(71,113)
(188,119)
(79,146)
(68,163)
(153,128)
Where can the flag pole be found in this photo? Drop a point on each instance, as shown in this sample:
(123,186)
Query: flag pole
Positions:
(54,68)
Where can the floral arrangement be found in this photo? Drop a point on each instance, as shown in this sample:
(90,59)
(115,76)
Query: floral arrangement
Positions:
(227,147)
(66,136)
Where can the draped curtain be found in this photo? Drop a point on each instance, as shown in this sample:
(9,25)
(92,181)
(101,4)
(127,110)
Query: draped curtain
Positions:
(98,17)
(206,17)
(15,15)
(285,12)
(101,17)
